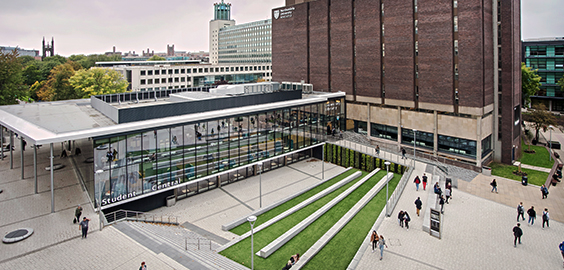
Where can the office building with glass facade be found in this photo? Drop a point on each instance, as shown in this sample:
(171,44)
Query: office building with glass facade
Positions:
(146,147)
(546,56)
(246,43)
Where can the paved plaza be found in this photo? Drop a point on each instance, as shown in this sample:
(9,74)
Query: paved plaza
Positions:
(476,232)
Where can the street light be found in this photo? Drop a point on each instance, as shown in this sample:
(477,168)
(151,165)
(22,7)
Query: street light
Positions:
(251,220)
(550,143)
(387,163)
(414,140)
(260,184)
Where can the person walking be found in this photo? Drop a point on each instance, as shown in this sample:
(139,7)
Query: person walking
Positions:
(544,192)
(406,220)
(447,194)
(494,185)
(374,240)
(532,215)
(84,226)
(77,214)
(424,181)
(561,247)
(545,218)
(417,181)
(143,266)
(442,203)
(400,218)
(377,150)
(418,205)
(517,232)
(520,211)
(403,153)
(382,245)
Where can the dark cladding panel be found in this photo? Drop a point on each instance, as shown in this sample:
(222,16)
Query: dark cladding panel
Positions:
(471,52)
(318,45)
(341,46)
(368,53)
(488,53)
(435,59)
(399,49)
(289,43)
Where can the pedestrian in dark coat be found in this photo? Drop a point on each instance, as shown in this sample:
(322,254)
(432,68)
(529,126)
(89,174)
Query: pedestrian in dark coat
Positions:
(417,181)
(403,153)
(545,218)
(520,211)
(424,181)
(517,232)
(544,192)
(418,205)
(494,185)
(442,203)
(400,218)
(406,219)
(532,215)
(77,213)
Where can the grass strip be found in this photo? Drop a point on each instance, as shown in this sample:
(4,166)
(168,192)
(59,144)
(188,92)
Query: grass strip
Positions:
(243,228)
(304,240)
(535,177)
(541,157)
(348,240)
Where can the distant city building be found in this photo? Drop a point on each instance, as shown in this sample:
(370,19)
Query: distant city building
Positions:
(161,75)
(113,52)
(48,49)
(546,55)
(221,19)
(21,52)
(246,43)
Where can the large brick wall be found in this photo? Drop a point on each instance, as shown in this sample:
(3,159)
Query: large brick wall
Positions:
(399,49)
(368,48)
(341,46)
(319,45)
(470,58)
(289,42)
(435,58)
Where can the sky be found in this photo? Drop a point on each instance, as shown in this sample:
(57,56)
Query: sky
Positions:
(94,27)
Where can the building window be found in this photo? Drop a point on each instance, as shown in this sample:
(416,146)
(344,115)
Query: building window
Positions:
(157,72)
(416,27)
(455,3)
(455,23)
(455,47)
(360,127)
(416,48)
(458,146)
(170,71)
(384,131)
(142,82)
(169,80)
(188,70)
(142,73)
(176,71)
(182,71)
(183,79)
(176,80)
(157,80)
(422,139)
(149,72)
(150,81)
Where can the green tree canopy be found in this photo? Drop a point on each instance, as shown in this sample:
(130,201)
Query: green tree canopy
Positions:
(156,58)
(530,83)
(541,118)
(11,80)
(90,61)
(561,83)
(57,86)
(98,81)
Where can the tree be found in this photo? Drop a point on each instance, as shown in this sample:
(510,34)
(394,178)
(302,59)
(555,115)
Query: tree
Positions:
(90,61)
(98,81)
(561,83)
(530,83)
(57,86)
(541,118)
(156,58)
(11,81)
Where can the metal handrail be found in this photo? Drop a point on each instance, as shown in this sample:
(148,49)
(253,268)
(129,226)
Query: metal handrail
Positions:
(121,215)
(394,198)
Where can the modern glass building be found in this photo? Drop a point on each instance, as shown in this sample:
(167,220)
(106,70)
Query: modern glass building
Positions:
(547,57)
(246,43)
(148,146)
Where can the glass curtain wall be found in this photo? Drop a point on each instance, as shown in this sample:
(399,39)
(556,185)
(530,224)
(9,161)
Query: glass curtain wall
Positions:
(146,161)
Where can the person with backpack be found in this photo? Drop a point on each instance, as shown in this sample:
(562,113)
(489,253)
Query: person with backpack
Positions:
(545,218)
(494,185)
(532,215)
(406,220)
(544,192)
(424,181)
(418,205)
(417,181)
(520,211)
(400,218)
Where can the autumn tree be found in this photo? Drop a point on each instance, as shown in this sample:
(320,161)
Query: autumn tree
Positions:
(541,118)
(98,81)
(530,83)
(57,86)
(11,80)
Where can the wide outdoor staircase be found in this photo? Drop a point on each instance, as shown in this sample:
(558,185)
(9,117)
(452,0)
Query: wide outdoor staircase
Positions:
(197,251)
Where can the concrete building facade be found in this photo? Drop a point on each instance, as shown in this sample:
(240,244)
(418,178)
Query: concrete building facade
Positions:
(221,19)
(443,74)
(246,43)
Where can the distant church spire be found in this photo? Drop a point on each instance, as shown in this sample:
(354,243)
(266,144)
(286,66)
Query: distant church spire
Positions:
(48,49)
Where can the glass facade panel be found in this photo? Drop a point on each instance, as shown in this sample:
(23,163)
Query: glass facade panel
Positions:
(422,139)
(384,131)
(458,146)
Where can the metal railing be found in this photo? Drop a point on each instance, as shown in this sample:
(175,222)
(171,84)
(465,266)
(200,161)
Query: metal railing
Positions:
(198,243)
(121,215)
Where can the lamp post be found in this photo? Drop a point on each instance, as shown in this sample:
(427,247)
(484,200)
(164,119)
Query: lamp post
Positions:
(414,142)
(387,163)
(251,220)
(550,143)
(260,184)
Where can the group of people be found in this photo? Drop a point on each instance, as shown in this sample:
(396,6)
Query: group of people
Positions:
(532,215)
(404,219)
(418,181)
(378,242)
(448,194)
